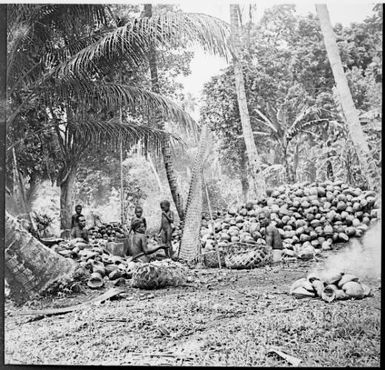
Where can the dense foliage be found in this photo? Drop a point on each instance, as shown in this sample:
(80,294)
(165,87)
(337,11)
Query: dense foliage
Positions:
(294,111)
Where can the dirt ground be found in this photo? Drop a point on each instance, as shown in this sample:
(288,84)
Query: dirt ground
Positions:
(222,317)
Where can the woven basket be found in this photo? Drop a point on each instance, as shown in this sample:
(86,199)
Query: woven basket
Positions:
(247,256)
(210,259)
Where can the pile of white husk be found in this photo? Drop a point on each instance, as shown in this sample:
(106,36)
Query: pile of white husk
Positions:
(332,286)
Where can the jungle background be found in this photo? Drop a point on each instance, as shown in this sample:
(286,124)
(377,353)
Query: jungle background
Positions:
(294,112)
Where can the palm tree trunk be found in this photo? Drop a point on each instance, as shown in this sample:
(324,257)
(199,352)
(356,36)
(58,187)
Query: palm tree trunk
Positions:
(3,132)
(252,153)
(289,173)
(351,114)
(190,242)
(31,267)
(244,180)
(166,147)
(66,198)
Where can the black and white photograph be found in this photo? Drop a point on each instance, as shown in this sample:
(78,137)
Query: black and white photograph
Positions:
(191,183)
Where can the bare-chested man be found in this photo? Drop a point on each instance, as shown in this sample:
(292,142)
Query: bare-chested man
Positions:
(166,227)
(272,235)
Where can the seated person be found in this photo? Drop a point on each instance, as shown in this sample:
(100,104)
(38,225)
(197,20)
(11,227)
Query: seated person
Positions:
(80,231)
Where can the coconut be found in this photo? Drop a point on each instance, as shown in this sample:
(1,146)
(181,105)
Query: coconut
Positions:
(367,290)
(288,252)
(95,281)
(318,286)
(340,294)
(333,277)
(346,278)
(328,230)
(329,293)
(353,289)
(110,268)
(343,237)
(301,292)
(307,252)
(297,283)
(115,274)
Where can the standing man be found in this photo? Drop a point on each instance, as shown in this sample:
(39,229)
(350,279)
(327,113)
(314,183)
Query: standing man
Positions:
(75,217)
(166,226)
(272,235)
(80,231)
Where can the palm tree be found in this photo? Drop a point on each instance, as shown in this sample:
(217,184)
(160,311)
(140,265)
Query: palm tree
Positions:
(190,241)
(75,72)
(166,147)
(351,114)
(59,56)
(252,153)
(283,129)
(75,138)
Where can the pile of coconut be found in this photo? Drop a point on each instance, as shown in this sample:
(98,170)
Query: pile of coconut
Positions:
(330,286)
(310,217)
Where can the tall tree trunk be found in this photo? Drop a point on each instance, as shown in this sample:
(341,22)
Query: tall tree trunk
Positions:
(31,267)
(289,173)
(244,180)
(352,119)
(66,199)
(252,153)
(190,242)
(3,80)
(166,146)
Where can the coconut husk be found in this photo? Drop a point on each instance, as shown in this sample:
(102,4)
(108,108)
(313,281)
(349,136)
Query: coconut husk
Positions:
(367,290)
(115,274)
(110,268)
(99,269)
(301,292)
(119,282)
(95,281)
(329,293)
(333,277)
(340,294)
(82,245)
(318,286)
(301,283)
(353,289)
(346,278)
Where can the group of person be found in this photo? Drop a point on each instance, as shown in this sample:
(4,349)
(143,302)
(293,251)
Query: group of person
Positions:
(136,231)
(138,228)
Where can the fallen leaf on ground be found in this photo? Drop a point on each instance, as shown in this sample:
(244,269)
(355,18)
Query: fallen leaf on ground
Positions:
(290,359)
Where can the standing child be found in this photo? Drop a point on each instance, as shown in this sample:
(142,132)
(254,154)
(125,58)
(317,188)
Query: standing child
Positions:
(137,231)
(166,226)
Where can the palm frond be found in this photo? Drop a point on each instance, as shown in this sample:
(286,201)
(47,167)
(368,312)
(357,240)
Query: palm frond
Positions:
(31,44)
(266,121)
(111,133)
(302,126)
(132,40)
(97,94)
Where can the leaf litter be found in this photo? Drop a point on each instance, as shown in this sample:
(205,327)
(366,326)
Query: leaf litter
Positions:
(235,323)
